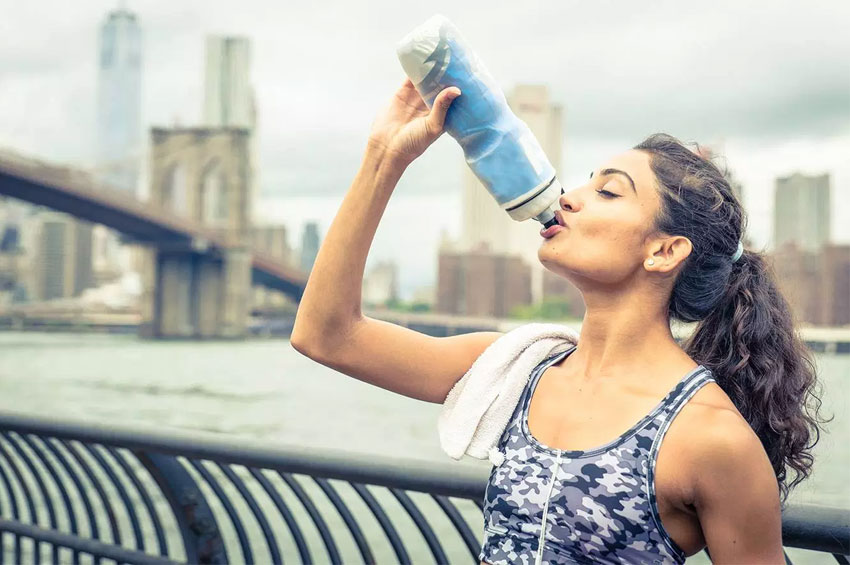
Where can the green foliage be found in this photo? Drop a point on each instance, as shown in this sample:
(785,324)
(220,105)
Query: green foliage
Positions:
(401,306)
(551,308)
(420,307)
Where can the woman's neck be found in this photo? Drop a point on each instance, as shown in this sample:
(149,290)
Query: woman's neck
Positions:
(622,331)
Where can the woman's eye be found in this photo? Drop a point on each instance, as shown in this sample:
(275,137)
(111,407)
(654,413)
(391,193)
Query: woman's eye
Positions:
(607,194)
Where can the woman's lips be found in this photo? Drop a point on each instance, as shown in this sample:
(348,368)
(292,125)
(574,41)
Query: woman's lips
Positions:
(551,231)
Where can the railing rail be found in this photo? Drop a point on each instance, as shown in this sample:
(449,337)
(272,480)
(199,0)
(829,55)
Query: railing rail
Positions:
(82,493)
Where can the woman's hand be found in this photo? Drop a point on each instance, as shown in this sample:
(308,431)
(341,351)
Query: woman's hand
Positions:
(406,127)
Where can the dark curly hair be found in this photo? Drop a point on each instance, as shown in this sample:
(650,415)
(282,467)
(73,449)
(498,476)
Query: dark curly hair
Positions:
(745,333)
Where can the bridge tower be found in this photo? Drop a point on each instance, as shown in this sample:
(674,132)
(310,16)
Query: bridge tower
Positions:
(203,174)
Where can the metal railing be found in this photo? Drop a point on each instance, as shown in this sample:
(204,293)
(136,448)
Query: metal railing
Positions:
(91,494)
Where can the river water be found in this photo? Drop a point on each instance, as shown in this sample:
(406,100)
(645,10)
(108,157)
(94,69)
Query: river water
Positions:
(266,390)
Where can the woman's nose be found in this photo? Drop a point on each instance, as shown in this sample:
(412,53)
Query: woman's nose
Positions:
(568,200)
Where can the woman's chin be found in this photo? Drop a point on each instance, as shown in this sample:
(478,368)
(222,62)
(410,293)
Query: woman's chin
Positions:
(549,247)
(551,258)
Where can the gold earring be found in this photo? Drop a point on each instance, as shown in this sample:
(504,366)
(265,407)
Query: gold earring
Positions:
(651,262)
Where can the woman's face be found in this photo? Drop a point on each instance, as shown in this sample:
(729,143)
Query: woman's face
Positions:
(609,223)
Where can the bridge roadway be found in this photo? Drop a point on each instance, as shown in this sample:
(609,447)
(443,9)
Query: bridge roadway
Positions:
(77,193)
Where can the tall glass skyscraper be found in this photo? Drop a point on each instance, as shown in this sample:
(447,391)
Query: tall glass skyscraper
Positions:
(119,100)
(228,97)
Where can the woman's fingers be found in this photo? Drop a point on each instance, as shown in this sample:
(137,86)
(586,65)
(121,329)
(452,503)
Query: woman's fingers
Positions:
(437,117)
(410,96)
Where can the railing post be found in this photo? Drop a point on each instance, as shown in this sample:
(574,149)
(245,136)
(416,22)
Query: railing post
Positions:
(198,527)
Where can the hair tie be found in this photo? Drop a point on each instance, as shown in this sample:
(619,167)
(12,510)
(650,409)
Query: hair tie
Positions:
(738,252)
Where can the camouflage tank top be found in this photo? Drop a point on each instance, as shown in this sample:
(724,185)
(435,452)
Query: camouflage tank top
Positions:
(545,505)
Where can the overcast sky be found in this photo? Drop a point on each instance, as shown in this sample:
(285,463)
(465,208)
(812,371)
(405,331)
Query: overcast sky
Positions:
(769,82)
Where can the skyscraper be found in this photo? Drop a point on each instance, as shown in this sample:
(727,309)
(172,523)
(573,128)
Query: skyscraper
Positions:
(309,246)
(802,211)
(477,282)
(118,137)
(483,220)
(119,100)
(228,95)
(815,283)
(63,263)
(12,259)
(228,98)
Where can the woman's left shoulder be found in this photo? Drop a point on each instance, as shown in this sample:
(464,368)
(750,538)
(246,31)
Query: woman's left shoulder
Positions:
(718,435)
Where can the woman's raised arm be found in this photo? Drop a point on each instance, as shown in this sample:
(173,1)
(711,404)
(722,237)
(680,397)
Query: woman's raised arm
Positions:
(330,326)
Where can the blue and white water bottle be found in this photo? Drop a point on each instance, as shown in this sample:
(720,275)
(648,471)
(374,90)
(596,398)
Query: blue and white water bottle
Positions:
(498,146)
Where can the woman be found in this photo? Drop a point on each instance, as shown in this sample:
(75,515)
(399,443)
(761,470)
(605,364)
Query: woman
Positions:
(652,236)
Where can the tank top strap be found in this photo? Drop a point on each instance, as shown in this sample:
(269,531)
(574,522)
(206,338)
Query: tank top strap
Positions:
(538,371)
(679,396)
(683,391)
(675,400)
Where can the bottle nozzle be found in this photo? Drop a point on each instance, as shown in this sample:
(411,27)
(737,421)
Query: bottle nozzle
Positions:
(547,218)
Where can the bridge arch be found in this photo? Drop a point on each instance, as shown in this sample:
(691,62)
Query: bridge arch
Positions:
(174,189)
(213,194)
(204,174)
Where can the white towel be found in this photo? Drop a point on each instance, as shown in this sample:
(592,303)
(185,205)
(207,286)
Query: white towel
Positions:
(478,407)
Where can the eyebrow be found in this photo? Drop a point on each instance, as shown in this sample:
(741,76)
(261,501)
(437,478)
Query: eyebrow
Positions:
(617,172)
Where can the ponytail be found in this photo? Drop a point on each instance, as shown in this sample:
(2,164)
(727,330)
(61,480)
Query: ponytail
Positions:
(749,343)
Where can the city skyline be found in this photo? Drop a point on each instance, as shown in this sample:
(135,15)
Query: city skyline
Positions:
(788,113)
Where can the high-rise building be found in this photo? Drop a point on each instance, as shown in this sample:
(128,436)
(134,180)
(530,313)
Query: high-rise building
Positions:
(802,211)
(835,285)
(309,246)
(479,282)
(119,128)
(12,213)
(483,220)
(23,230)
(119,100)
(380,285)
(228,95)
(271,240)
(815,283)
(63,262)
(228,98)
(12,258)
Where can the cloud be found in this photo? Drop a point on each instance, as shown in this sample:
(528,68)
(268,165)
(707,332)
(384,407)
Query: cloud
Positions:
(740,69)
(757,76)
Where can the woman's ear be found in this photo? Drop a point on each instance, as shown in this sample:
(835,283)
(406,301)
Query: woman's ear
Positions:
(676,250)
(668,253)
